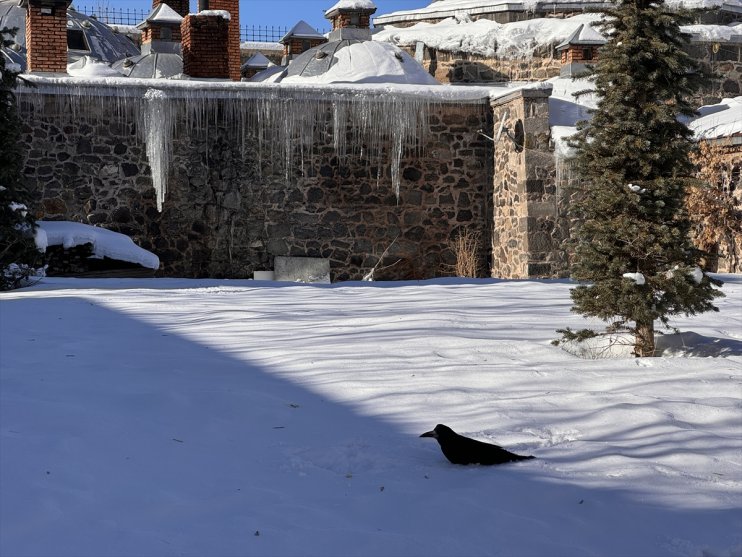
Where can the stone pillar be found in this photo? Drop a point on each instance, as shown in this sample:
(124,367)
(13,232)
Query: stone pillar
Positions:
(180,6)
(233,42)
(204,46)
(527,228)
(46,35)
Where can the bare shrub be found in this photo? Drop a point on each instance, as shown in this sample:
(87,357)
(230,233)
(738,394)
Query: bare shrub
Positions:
(465,247)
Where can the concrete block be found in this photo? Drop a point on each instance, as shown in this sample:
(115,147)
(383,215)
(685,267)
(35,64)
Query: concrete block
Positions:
(302,269)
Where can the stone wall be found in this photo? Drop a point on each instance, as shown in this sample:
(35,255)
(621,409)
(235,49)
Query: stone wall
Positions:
(460,67)
(528,228)
(230,207)
(724,62)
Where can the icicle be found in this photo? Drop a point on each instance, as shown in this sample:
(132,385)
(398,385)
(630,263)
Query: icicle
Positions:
(157,129)
(281,124)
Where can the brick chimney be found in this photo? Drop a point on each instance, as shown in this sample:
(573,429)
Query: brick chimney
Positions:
(180,7)
(233,42)
(580,50)
(46,35)
(161,30)
(204,46)
(351,20)
(300,38)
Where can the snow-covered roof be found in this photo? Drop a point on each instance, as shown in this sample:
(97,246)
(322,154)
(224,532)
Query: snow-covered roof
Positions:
(350,5)
(91,67)
(259,45)
(488,38)
(302,30)
(218,13)
(153,65)
(718,121)
(162,14)
(349,61)
(102,42)
(583,35)
(106,243)
(441,9)
(257,60)
(731,33)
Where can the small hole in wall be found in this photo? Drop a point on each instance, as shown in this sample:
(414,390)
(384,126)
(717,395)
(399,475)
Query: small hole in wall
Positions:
(519,136)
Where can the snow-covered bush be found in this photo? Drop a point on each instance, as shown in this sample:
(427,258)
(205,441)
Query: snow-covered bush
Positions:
(19,256)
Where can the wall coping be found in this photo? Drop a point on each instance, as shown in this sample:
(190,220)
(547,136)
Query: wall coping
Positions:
(128,87)
(538,90)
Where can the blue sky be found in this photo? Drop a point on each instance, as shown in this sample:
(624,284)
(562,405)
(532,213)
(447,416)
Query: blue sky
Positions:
(273,12)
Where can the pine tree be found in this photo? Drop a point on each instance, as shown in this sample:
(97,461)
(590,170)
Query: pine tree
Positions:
(632,248)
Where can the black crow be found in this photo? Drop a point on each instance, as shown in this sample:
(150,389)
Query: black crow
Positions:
(462,450)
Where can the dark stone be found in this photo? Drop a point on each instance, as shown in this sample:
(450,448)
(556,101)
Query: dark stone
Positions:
(315,195)
(411,174)
(535,186)
(464,216)
(129,169)
(121,215)
(731,86)
(84,146)
(119,149)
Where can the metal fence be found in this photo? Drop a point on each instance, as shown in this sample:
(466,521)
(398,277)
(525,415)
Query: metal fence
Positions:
(128,16)
(262,33)
(114,16)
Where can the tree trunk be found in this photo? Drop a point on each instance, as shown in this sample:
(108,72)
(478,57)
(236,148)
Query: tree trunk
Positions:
(644,346)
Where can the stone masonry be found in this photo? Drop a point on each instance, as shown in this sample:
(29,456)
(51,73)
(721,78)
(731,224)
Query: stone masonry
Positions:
(527,230)
(229,211)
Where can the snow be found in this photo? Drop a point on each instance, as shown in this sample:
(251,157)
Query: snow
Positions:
(352,5)
(303,30)
(106,243)
(449,8)
(697,275)
(162,14)
(87,66)
(718,120)
(370,62)
(638,278)
(521,38)
(13,206)
(257,45)
(488,38)
(715,33)
(205,417)
(218,13)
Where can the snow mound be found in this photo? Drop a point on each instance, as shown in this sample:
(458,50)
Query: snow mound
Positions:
(692,344)
(488,38)
(718,120)
(88,66)
(370,62)
(106,243)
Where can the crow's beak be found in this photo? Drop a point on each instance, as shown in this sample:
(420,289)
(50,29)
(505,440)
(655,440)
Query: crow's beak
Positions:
(432,434)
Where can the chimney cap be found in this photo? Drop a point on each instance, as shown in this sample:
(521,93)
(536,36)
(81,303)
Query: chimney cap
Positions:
(584,35)
(163,15)
(301,30)
(46,3)
(363,6)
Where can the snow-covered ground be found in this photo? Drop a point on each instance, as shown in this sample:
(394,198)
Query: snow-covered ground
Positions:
(217,418)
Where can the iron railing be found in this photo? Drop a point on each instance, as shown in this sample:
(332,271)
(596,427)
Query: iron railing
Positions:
(130,16)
